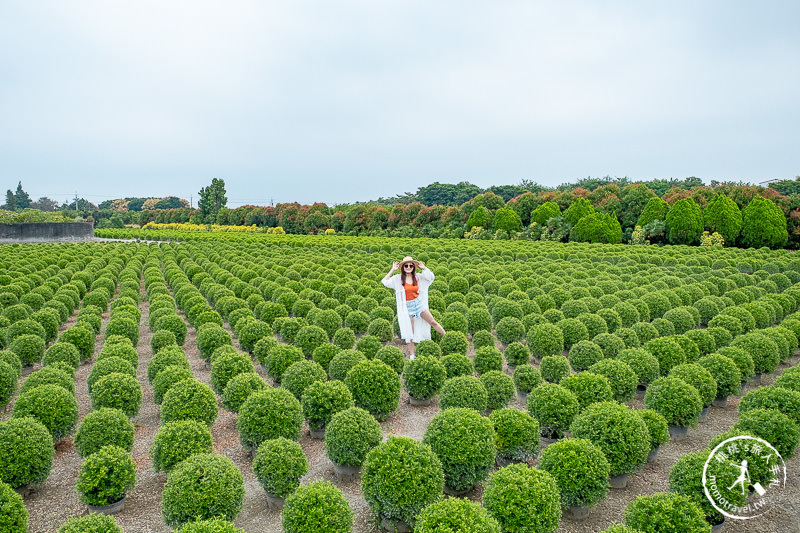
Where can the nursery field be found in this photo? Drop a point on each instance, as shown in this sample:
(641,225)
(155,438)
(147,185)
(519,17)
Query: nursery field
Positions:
(230,374)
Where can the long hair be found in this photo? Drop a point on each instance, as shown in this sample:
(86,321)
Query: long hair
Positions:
(413,274)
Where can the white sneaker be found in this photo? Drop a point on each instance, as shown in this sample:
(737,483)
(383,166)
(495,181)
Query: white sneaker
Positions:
(412,357)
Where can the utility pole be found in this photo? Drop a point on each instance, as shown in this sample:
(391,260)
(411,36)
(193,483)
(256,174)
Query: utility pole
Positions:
(191,202)
(76,200)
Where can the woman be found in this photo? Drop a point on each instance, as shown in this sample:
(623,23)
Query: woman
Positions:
(411,294)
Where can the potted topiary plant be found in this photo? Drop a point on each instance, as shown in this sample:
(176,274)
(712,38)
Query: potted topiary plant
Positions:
(677,401)
(725,373)
(392,356)
(349,436)
(302,374)
(175,441)
(584,354)
(239,388)
(464,442)
(456,514)
(269,414)
(102,427)
(499,389)
(322,400)
(486,359)
(554,368)
(581,472)
(118,391)
(658,430)
(520,486)
(202,486)
(318,507)
(166,379)
(105,478)
(526,377)
(342,362)
(463,391)
(588,388)
(279,464)
(666,511)
(621,377)
(699,378)
(644,364)
(375,387)
(668,352)
(168,356)
(51,405)
(26,453)
(458,365)
(423,378)
(50,375)
(516,436)
(401,477)
(620,433)
(91,523)
(773,426)
(189,400)
(225,367)
(213,525)
(14,518)
(554,407)
(108,366)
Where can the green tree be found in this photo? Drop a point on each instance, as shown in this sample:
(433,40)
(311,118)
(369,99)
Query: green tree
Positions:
(597,228)
(478,218)
(633,201)
(655,209)
(11,201)
(447,193)
(212,198)
(22,198)
(763,224)
(524,204)
(580,208)
(544,212)
(723,216)
(45,204)
(507,219)
(684,222)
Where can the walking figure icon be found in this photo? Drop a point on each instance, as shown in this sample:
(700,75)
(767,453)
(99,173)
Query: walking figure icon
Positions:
(743,474)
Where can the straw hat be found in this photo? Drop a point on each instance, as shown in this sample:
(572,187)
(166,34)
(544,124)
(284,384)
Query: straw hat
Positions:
(408,259)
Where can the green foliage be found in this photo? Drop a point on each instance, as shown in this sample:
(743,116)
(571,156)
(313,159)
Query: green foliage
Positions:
(213,525)
(210,337)
(118,391)
(486,359)
(506,219)
(226,367)
(280,358)
(463,391)
(106,476)
(269,414)
(764,351)
(723,216)
(279,464)
(26,452)
(29,348)
(203,486)
(375,387)
(189,400)
(668,353)
(544,340)
(554,407)
(168,356)
(674,399)
(544,212)
(350,435)
(108,366)
(656,426)
(784,400)
(699,378)
(580,469)
(176,441)
(456,514)
(665,512)
(621,378)
(597,228)
(526,377)
(554,368)
(643,363)
(763,224)
(684,222)
(52,406)
(588,388)
(516,434)
(584,354)
(520,486)
(392,356)
(458,365)
(478,218)
(499,388)
(102,427)
(424,377)
(464,442)
(49,375)
(655,209)
(321,400)
(91,523)
(320,507)
(302,374)
(14,518)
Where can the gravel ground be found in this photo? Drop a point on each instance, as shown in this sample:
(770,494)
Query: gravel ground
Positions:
(57,499)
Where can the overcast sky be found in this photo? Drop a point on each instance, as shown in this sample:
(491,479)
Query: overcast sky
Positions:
(352,100)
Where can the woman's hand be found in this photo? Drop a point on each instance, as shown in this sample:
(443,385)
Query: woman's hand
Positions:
(421,264)
(395,266)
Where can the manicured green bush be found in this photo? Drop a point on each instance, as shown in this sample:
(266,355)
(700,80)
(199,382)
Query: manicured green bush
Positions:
(319,506)
(62,351)
(554,368)
(279,464)
(516,354)
(573,330)
(668,352)
(106,476)
(174,324)
(487,359)
(545,339)
(789,380)
(118,391)
(456,514)
(210,337)
(554,407)
(773,426)
(463,391)
(520,486)
(11,359)
(424,377)
(454,342)
(14,517)
(280,358)
(203,486)
(375,387)
(26,452)
(686,478)
(91,523)
(516,435)
(213,525)
(189,400)
(526,377)
(742,360)
(226,367)
(580,469)
(764,351)
(584,354)
(784,400)
(168,356)
(699,378)
(645,331)
(464,442)
(126,327)
(723,216)
(29,348)
(103,427)
(458,365)
(621,377)
(166,379)
(176,441)
(302,374)
(665,511)
(350,435)
(49,375)
(588,388)
(618,431)
(162,338)
(269,414)
(124,351)
(499,388)
(8,382)
(678,402)
(322,400)
(108,366)
(52,406)
(656,426)
(429,347)
(392,356)
(763,224)
(25,327)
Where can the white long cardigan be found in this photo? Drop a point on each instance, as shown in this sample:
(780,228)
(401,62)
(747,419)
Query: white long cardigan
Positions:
(422,330)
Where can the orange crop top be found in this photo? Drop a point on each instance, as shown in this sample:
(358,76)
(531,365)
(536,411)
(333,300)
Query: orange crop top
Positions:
(412,291)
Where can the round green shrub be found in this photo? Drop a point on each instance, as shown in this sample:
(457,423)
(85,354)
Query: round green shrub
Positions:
(554,368)
(609,343)
(213,525)
(699,378)
(91,523)
(789,380)
(645,331)
(118,391)
(200,487)
(400,477)
(526,377)
(458,365)
(189,400)
(725,373)
(763,224)
(29,348)
(510,329)
(106,476)
(210,337)
(319,506)
(168,356)
(618,431)
(11,359)
(665,511)
(321,400)
(486,359)
(14,517)
(429,347)
(456,514)
(226,367)
(176,441)
(482,338)
(554,407)
(499,388)
(588,388)
(166,379)
(279,464)
(342,362)
(127,328)
(322,355)
(784,400)
(344,338)
(520,486)
(161,339)
(742,360)
(309,338)
(621,377)
(392,356)
(516,354)
(350,435)
(772,426)
(573,330)
(584,354)
(269,414)
(424,377)
(62,351)
(108,366)
(580,469)
(764,351)
(26,452)
(8,382)
(49,375)
(302,374)
(124,351)
(174,324)
(686,478)
(52,406)
(656,426)
(25,327)
(280,358)
(239,388)
(678,402)
(516,435)
(454,342)
(464,442)
(463,391)
(668,352)
(103,427)
(375,387)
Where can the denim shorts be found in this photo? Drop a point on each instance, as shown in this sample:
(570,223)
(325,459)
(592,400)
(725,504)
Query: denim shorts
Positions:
(414,307)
